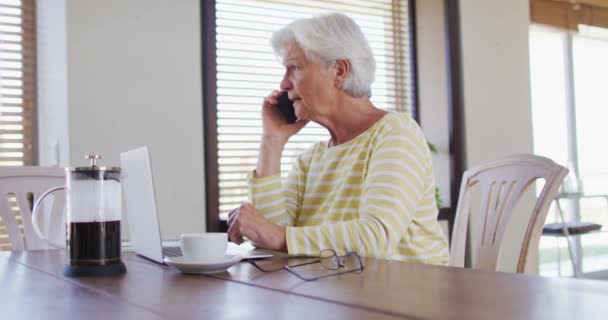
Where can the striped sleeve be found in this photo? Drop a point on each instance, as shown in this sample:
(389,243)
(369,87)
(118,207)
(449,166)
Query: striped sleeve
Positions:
(277,201)
(394,185)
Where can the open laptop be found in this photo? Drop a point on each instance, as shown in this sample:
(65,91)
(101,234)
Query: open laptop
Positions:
(142,214)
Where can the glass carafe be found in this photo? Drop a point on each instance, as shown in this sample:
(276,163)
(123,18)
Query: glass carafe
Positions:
(94,212)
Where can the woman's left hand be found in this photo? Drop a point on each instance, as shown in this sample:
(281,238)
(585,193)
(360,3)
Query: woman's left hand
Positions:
(245,221)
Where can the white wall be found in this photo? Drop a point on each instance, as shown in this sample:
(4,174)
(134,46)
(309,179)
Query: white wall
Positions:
(432,90)
(134,78)
(497,112)
(432,87)
(53,142)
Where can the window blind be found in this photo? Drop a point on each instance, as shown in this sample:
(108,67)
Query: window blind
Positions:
(569,14)
(17,81)
(247,70)
(17,92)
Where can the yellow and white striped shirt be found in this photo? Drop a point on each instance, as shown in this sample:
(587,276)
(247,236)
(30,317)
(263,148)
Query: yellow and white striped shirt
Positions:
(374,195)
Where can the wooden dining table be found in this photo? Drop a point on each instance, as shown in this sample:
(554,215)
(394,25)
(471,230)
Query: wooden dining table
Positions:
(32,286)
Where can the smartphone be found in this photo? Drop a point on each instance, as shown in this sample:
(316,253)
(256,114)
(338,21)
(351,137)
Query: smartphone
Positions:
(286,109)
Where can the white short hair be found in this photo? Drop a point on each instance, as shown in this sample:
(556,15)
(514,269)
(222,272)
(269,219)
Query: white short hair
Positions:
(328,38)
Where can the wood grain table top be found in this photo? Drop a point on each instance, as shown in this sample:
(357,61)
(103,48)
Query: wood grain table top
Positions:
(33,286)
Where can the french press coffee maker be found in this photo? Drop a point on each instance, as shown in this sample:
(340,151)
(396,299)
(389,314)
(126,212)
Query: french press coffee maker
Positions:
(93,220)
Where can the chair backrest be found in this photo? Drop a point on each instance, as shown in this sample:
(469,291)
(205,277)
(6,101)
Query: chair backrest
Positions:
(502,184)
(20,182)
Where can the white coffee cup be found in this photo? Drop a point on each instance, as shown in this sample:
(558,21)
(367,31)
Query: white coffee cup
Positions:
(204,247)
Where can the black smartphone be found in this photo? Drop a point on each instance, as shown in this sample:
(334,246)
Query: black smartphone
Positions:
(286,109)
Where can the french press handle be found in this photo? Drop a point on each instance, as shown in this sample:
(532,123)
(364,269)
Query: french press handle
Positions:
(35,218)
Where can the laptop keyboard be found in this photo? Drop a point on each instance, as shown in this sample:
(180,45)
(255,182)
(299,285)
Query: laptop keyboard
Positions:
(172,252)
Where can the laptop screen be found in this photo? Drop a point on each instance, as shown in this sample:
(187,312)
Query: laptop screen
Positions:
(140,203)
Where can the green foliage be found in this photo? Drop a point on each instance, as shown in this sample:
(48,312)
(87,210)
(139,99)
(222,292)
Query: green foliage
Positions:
(438,200)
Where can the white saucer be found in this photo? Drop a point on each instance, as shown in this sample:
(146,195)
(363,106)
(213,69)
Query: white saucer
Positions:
(186,266)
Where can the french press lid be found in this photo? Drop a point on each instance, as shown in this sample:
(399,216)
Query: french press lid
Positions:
(96,171)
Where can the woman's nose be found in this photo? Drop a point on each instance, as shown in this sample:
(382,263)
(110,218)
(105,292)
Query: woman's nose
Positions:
(285,83)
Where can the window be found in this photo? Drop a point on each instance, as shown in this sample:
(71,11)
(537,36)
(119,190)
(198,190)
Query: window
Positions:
(569,114)
(241,69)
(568,49)
(17,82)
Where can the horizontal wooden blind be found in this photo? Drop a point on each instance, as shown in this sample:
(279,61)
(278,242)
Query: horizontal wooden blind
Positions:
(569,14)
(247,71)
(17,81)
(17,92)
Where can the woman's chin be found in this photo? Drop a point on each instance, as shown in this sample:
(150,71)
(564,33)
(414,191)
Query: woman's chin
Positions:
(298,112)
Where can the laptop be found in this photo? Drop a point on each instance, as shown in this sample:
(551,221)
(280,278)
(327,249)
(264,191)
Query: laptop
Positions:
(142,215)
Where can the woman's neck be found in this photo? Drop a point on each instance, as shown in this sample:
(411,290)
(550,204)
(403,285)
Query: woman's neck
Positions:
(351,117)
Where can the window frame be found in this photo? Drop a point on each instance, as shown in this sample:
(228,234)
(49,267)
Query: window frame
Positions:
(209,78)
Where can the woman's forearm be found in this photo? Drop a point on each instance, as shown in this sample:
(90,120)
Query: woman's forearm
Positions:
(269,160)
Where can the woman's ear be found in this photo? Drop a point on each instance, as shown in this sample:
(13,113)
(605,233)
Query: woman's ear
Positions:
(341,71)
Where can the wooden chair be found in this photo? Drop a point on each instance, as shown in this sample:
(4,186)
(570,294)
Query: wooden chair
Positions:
(20,187)
(502,184)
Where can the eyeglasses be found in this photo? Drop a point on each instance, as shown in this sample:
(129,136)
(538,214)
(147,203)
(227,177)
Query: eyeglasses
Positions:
(329,259)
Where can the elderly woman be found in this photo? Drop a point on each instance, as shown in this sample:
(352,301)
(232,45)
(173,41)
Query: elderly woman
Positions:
(370,188)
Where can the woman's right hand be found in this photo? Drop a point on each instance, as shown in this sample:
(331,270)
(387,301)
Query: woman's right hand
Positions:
(275,127)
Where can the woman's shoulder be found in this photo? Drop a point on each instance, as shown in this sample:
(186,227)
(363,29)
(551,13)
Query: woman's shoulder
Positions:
(308,154)
(402,131)
(399,124)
